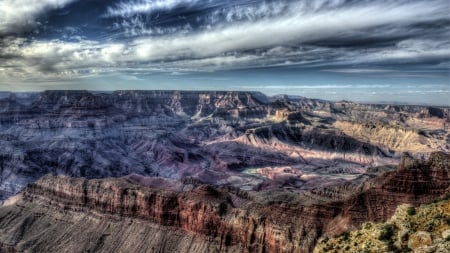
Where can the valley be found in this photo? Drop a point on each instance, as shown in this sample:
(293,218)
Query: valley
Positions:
(211,171)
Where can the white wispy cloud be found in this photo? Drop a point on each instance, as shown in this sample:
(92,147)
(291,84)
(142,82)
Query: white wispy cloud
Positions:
(279,40)
(136,26)
(360,70)
(17,15)
(286,30)
(130,8)
(413,50)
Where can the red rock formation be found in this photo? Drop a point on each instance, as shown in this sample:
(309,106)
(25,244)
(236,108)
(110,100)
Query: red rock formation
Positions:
(216,215)
(206,211)
(414,182)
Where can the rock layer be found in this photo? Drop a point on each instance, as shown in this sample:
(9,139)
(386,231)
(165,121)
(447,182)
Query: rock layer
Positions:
(309,168)
(211,218)
(414,182)
(212,136)
(425,228)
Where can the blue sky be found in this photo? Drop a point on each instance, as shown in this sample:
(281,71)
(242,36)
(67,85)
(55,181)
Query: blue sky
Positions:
(372,51)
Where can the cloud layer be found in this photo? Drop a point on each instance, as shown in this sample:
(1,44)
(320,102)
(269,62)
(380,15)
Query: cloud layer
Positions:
(131,8)
(191,36)
(17,16)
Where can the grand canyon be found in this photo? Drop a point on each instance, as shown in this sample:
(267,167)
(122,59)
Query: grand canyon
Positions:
(212,126)
(215,171)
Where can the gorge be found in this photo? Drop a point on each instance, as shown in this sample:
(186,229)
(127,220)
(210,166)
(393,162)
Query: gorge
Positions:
(208,171)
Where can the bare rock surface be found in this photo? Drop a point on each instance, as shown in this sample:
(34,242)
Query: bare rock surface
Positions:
(242,139)
(410,229)
(64,214)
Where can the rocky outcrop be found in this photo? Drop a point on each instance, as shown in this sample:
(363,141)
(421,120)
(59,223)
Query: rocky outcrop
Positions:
(214,136)
(225,218)
(425,228)
(414,182)
(214,213)
(393,137)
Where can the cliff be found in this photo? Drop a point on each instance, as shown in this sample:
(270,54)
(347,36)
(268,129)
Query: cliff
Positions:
(425,228)
(203,217)
(225,218)
(414,182)
(214,136)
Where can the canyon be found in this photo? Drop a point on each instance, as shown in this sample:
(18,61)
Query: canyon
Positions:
(64,214)
(208,171)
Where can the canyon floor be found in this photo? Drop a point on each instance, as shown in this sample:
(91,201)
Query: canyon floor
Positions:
(192,171)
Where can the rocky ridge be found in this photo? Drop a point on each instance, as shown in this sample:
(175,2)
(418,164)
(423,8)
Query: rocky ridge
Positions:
(213,136)
(425,228)
(208,218)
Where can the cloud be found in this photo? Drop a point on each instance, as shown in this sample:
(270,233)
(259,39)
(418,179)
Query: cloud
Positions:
(250,36)
(144,15)
(286,30)
(17,16)
(136,26)
(248,12)
(58,59)
(388,73)
(414,50)
(359,71)
(131,8)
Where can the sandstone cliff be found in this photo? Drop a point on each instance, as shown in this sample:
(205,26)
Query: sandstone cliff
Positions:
(213,136)
(411,229)
(60,213)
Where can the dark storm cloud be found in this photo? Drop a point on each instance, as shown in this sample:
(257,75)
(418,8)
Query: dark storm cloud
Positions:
(63,39)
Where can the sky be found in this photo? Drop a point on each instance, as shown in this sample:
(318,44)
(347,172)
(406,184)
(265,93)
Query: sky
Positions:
(361,50)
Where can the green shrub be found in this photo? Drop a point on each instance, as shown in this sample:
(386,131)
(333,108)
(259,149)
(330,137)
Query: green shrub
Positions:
(346,236)
(430,227)
(392,247)
(411,211)
(386,233)
(405,249)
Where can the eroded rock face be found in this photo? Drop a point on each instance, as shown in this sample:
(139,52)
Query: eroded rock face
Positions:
(214,213)
(415,182)
(410,229)
(215,137)
(225,219)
